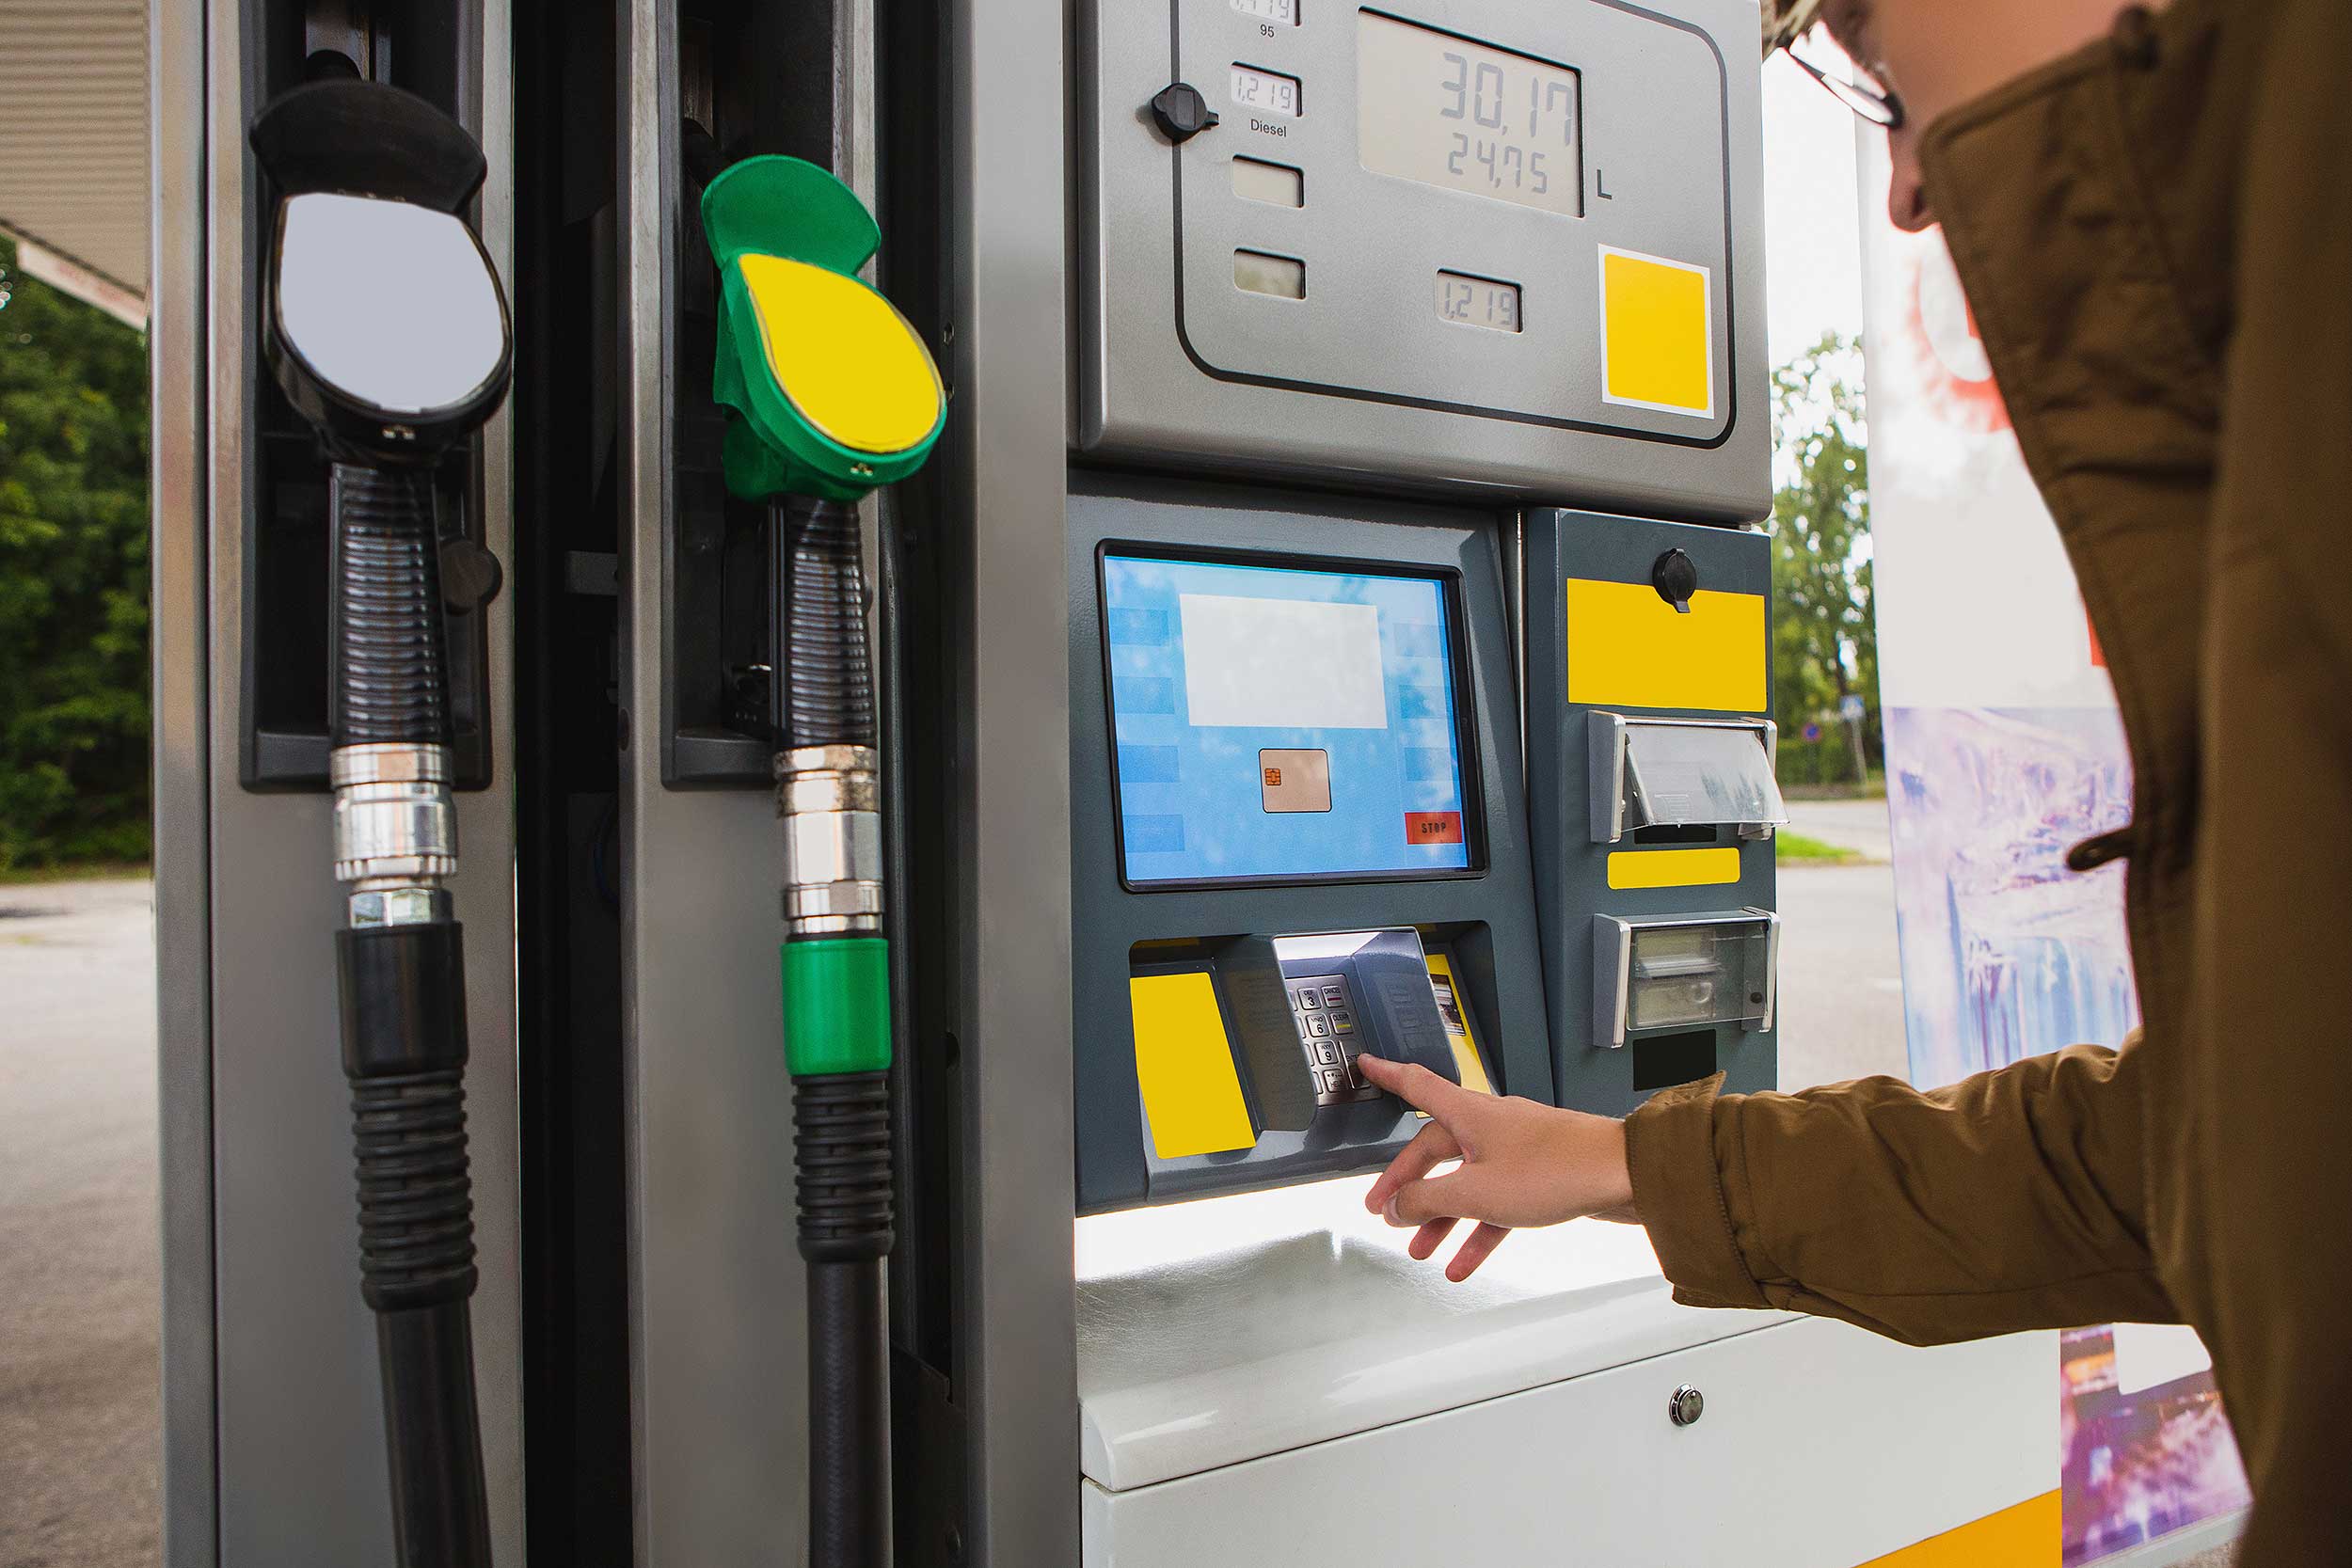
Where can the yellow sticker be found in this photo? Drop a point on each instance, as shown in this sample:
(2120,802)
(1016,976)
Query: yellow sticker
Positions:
(849,362)
(1657,338)
(1192,1098)
(1629,648)
(1673,868)
(1466,1054)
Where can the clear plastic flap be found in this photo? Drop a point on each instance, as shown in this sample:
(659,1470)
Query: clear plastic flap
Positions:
(1683,774)
(1684,973)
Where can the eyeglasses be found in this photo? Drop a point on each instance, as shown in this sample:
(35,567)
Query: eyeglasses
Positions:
(1878,107)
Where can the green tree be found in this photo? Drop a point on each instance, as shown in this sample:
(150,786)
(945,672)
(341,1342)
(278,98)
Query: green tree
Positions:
(73,677)
(1824,626)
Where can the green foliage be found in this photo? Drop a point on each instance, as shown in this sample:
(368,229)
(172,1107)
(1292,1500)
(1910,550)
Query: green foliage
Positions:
(73,677)
(1796,846)
(1824,626)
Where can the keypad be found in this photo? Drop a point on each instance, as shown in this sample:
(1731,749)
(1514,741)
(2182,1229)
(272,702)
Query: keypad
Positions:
(1325,1011)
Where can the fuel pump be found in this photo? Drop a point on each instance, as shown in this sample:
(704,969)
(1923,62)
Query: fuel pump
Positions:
(831,394)
(386,327)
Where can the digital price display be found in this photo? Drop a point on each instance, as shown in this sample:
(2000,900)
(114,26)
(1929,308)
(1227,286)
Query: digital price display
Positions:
(1265,90)
(1444,110)
(1283,12)
(1469,301)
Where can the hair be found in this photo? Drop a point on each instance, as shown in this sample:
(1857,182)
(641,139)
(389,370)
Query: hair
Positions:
(1785,19)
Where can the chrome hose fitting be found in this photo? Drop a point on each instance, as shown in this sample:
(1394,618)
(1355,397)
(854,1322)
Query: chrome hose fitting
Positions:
(395,831)
(829,797)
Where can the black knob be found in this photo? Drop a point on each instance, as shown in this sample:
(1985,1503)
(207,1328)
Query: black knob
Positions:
(1676,578)
(470,576)
(1181,112)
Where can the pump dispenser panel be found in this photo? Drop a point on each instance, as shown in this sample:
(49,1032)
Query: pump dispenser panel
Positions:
(1298,835)
(1650,779)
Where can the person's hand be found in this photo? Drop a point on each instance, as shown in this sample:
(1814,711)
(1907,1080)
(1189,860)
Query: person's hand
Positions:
(1522,1164)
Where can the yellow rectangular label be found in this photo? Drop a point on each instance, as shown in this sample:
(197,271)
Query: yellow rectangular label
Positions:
(1656,343)
(1192,1096)
(1673,868)
(2026,1536)
(1466,1054)
(1629,648)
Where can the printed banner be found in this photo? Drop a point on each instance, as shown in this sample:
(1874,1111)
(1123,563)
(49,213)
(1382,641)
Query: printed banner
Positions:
(2003,749)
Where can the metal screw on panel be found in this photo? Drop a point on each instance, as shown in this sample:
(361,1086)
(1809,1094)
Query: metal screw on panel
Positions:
(1687,1405)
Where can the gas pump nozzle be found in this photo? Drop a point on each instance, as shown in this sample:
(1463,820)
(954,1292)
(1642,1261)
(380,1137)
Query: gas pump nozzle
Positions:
(387,329)
(834,395)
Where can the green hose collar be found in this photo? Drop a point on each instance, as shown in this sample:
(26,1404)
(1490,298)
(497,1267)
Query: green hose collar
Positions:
(836,1005)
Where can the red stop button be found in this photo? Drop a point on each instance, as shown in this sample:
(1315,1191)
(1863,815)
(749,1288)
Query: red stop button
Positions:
(1432,827)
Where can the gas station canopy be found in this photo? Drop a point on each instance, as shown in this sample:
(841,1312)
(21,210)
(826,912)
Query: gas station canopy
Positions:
(74,152)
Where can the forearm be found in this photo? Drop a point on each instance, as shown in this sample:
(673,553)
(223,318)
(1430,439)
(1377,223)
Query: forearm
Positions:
(2010,1200)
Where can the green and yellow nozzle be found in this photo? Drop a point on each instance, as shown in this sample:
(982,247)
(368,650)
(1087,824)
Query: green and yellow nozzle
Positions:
(834,393)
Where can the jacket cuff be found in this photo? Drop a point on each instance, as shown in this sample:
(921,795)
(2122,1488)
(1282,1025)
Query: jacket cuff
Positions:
(1679,1194)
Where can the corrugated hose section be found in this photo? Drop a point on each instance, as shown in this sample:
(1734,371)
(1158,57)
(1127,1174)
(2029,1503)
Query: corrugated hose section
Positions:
(390,676)
(416,1202)
(829,691)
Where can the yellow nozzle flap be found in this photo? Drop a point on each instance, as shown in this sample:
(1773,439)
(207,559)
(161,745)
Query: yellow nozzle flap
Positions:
(849,363)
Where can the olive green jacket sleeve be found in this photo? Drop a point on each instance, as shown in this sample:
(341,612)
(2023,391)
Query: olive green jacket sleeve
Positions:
(2007,1202)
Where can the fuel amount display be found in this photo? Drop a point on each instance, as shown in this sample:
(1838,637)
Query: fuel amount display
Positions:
(1447,111)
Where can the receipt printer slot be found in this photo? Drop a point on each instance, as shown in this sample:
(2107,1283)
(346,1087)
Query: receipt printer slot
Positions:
(1683,772)
(1683,971)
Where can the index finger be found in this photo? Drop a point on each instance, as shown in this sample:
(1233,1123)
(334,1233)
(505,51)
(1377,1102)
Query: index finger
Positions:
(1419,1087)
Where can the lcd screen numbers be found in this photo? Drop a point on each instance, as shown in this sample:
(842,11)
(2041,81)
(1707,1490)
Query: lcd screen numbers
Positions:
(1469,301)
(1285,13)
(1444,110)
(1265,90)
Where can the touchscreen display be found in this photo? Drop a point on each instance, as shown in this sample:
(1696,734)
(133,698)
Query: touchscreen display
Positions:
(1277,723)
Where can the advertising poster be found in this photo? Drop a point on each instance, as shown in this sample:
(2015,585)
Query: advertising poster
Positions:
(2004,749)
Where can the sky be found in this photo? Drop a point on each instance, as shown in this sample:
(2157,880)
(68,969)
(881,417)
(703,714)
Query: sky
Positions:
(1813,245)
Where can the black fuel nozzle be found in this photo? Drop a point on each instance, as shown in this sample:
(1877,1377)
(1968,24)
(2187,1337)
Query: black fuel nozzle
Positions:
(384,322)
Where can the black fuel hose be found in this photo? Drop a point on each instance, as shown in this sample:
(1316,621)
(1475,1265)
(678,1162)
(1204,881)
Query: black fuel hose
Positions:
(841,1144)
(405,1048)
(828,682)
(841,1120)
(390,671)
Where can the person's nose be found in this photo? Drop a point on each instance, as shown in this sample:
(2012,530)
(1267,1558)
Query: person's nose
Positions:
(1906,194)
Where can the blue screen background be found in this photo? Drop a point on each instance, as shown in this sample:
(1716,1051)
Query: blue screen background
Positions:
(1189,798)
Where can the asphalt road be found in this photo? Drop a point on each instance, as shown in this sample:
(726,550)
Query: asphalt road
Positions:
(78,1251)
(1842,989)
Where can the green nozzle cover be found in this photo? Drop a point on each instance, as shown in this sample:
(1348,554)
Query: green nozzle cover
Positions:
(836,1005)
(849,341)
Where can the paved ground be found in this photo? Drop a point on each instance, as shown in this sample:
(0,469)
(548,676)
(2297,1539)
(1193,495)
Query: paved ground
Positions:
(1842,989)
(78,1277)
